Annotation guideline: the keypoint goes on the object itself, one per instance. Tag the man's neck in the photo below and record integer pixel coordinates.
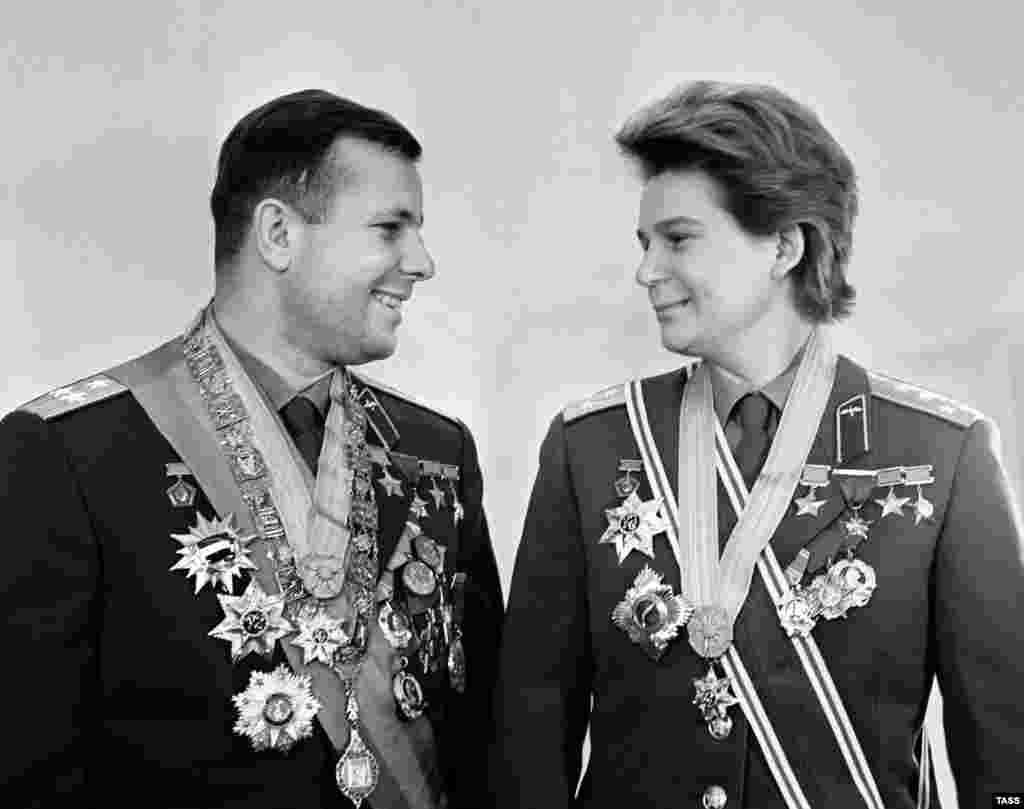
(261, 339)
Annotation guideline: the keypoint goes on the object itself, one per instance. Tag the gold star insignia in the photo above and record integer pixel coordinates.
(392, 486)
(418, 507)
(808, 505)
(892, 504)
(633, 526)
(436, 493)
(923, 508)
(460, 512)
(253, 622)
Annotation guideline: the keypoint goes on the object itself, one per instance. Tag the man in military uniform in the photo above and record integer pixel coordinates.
(744, 575)
(240, 573)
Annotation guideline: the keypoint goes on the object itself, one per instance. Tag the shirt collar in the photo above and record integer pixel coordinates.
(728, 388)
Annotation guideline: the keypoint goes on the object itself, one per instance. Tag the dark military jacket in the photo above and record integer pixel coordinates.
(947, 604)
(115, 689)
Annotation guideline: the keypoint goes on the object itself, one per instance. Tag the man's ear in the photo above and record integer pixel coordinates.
(789, 250)
(278, 232)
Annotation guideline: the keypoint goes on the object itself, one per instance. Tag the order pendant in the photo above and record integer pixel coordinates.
(357, 771)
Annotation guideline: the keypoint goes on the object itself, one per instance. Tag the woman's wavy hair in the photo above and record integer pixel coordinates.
(775, 164)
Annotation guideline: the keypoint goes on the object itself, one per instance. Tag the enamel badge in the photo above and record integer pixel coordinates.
(633, 526)
(253, 622)
(276, 710)
(213, 552)
(651, 614)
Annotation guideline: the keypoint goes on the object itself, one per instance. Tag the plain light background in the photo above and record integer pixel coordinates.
(114, 112)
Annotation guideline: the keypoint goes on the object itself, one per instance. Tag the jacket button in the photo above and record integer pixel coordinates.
(714, 797)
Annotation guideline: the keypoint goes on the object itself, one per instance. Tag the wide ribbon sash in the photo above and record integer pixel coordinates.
(163, 386)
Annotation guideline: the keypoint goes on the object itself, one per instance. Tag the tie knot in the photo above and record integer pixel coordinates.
(301, 416)
(753, 412)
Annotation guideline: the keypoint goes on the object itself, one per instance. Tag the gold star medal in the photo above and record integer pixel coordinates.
(651, 614)
(891, 504)
(213, 551)
(418, 507)
(436, 492)
(815, 476)
(253, 622)
(276, 710)
(633, 526)
(920, 476)
(319, 638)
(392, 486)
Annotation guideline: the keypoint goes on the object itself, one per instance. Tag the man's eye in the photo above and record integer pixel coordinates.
(677, 240)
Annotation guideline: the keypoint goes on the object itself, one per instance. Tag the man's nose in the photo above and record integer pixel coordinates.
(417, 260)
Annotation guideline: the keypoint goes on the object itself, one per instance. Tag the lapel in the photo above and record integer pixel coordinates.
(821, 534)
(663, 397)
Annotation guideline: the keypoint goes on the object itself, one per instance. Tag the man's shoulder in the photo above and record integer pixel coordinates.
(75, 397)
(911, 396)
(401, 405)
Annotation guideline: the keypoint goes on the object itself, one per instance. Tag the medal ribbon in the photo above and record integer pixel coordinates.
(806, 648)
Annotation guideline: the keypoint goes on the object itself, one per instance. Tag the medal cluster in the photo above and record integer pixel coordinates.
(847, 582)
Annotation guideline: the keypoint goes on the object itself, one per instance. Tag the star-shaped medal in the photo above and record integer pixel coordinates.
(458, 511)
(892, 504)
(213, 551)
(713, 695)
(418, 507)
(808, 505)
(320, 637)
(923, 508)
(276, 710)
(651, 614)
(253, 622)
(857, 526)
(436, 493)
(392, 486)
(633, 526)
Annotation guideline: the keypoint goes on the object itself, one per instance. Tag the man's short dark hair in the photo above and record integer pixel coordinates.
(283, 149)
(776, 166)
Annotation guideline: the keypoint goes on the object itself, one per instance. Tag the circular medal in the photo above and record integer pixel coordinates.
(395, 625)
(278, 709)
(322, 575)
(427, 551)
(629, 523)
(418, 578)
(408, 694)
(720, 727)
(796, 613)
(710, 631)
(254, 622)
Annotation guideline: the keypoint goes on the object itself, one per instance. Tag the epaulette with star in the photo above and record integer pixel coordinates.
(368, 382)
(69, 398)
(915, 397)
(595, 403)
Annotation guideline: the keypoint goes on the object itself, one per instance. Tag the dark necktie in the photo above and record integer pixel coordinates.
(306, 427)
(754, 414)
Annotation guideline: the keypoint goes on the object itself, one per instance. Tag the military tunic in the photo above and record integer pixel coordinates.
(947, 604)
(115, 689)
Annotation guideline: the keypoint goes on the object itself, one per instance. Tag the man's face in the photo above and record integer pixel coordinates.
(708, 280)
(343, 294)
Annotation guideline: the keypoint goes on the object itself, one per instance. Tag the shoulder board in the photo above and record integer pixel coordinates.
(914, 396)
(73, 397)
(374, 384)
(602, 400)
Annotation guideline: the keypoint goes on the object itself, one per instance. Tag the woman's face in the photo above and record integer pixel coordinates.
(709, 281)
